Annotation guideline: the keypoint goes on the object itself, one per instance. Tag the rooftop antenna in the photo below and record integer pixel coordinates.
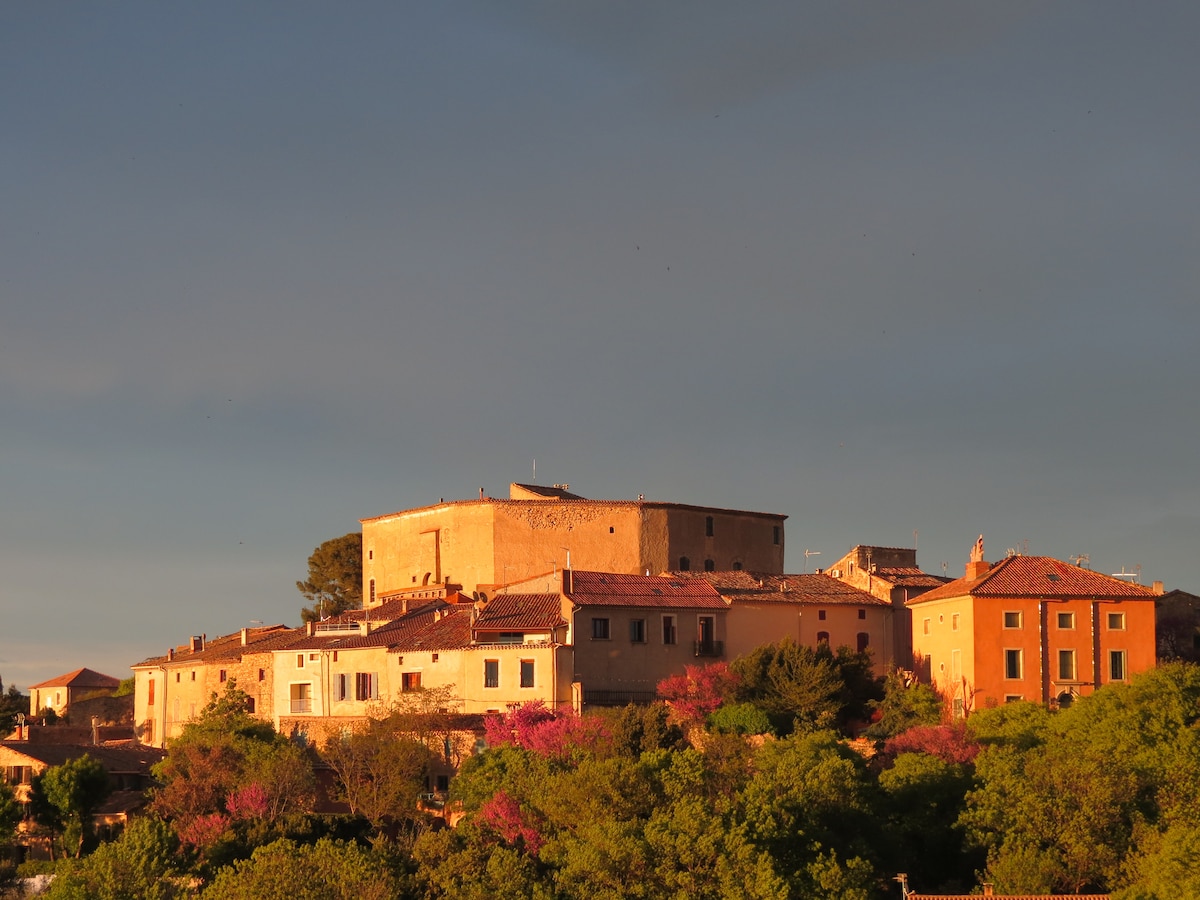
(1082, 560)
(1136, 576)
(945, 566)
(535, 470)
(914, 539)
(807, 554)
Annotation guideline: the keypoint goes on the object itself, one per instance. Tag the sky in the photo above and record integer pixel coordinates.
(906, 273)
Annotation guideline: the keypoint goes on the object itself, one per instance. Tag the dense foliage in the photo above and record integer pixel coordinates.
(748, 790)
(334, 582)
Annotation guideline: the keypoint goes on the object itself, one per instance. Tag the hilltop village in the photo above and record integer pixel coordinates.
(545, 621)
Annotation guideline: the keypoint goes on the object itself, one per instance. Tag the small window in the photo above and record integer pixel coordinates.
(959, 709)
(370, 554)
(708, 526)
(193, 678)
(262, 674)
(491, 673)
(177, 674)
(1116, 665)
(221, 676)
(433, 657)
(863, 640)
(150, 692)
(372, 590)
(775, 533)
(299, 660)
(1012, 619)
(611, 530)
(341, 686)
(710, 566)
(511, 637)
(250, 705)
(862, 613)
(366, 686)
(954, 621)
(1012, 698)
(822, 637)
(668, 629)
(410, 681)
(685, 564)
(313, 657)
(637, 631)
(1066, 665)
(1012, 664)
(599, 629)
(443, 783)
(925, 626)
(737, 567)
(527, 680)
(1116, 621)
(820, 615)
(335, 656)
(1066, 621)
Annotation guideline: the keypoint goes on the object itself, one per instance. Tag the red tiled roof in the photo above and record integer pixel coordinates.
(81, 678)
(606, 589)
(521, 612)
(120, 759)
(383, 636)
(908, 576)
(227, 646)
(450, 632)
(1037, 576)
(755, 587)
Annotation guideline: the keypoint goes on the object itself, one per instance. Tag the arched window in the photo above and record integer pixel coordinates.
(737, 567)
(822, 637)
(685, 564)
(863, 640)
(710, 566)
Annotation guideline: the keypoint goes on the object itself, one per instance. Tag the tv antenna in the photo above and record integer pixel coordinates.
(807, 554)
(1136, 576)
(1082, 560)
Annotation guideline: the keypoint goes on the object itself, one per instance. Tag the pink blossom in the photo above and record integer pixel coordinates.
(699, 691)
(949, 743)
(204, 831)
(503, 815)
(249, 802)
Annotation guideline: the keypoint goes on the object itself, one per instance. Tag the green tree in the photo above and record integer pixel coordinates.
(381, 773)
(906, 703)
(12, 702)
(64, 797)
(327, 870)
(143, 864)
(334, 582)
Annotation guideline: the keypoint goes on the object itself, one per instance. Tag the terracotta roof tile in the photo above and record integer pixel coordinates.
(605, 589)
(452, 631)
(81, 678)
(521, 612)
(1037, 576)
(121, 759)
(756, 587)
(908, 576)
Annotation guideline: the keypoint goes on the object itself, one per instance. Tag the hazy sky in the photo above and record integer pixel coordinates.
(270, 268)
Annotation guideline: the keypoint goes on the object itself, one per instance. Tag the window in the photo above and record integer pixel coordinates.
(820, 615)
(299, 660)
(301, 698)
(958, 707)
(150, 692)
(637, 631)
(341, 686)
(1012, 698)
(954, 621)
(775, 535)
(599, 629)
(710, 566)
(372, 590)
(685, 564)
(366, 686)
(221, 676)
(193, 679)
(1116, 621)
(313, 657)
(433, 657)
(177, 678)
(822, 637)
(1066, 665)
(668, 629)
(335, 656)
(737, 567)
(1116, 665)
(862, 613)
(410, 681)
(925, 627)
(491, 673)
(370, 554)
(1012, 664)
(262, 674)
(250, 705)
(443, 783)
(611, 530)
(1012, 620)
(511, 637)
(527, 673)
(708, 526)
(1066, 621)
(863, 640)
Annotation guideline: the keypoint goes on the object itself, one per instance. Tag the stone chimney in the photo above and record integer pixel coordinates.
(197, 643)
(977, 567)
(1158, 587)
(245, 636)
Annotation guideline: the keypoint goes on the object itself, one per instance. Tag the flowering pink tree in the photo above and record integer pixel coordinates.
(204, 831)
(503, 815)
(949, 743)
(550, 733)
(249, 802)
(699, 691)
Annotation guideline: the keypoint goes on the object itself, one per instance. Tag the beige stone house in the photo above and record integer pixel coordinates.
(476, 545)
(60, 692)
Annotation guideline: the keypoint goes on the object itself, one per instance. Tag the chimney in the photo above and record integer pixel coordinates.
(987, 889)
(245, 636)
(364, 627)
(171, 654)
(95, 731)
(309, 628)
(977, 567)
(197, 643)
(1158, 587)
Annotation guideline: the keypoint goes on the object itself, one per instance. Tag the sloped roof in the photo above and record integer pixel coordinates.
(123, 758)
(383, 636)
(452, 631)
(227, 646)
(521, 612)
(1037, 576)
(646, 504)
(757, 587)
(908, 576)
(81, 678)
(606, 589)
(553, 493)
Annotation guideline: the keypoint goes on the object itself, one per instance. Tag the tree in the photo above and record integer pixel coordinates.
(12, 702)
(141, 865)
(327, 870)
(334, 582)
(381, 773)
(64, 797)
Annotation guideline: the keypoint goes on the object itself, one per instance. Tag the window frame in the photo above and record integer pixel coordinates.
(528, 666)
(491, 674)
(1118, 617)
(1014, 655)
(1068, 617)
(1118, 665)
(637, 631)
(601, 628)
(1071, 672)
(1020, 619)
(670, 630)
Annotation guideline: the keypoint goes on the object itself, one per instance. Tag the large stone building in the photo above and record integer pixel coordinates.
(477, 545)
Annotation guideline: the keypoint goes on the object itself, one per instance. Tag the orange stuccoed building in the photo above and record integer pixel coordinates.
(1031, 628)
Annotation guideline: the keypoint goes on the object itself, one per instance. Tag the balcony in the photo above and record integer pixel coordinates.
(709, 648)
(301, 706)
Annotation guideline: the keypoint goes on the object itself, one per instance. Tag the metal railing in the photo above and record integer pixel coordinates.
(302, 706)
(709, 648)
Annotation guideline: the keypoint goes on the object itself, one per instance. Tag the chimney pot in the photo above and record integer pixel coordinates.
(1158, 587)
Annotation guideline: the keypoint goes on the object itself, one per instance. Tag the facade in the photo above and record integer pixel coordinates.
(59, 693)
(476, 545)
(1031, 628)
(891, 574)
(809, 609)
(1178, 626)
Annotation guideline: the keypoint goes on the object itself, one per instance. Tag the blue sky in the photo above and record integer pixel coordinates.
(271, 268)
